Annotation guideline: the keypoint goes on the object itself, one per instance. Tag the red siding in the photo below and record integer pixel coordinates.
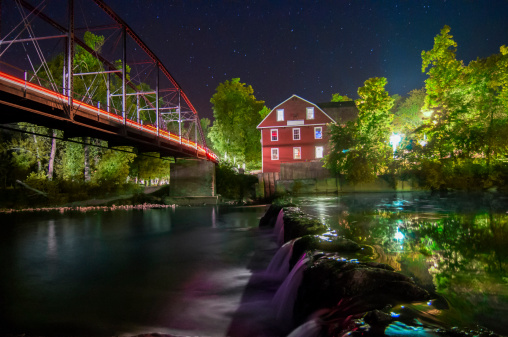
(294, 109)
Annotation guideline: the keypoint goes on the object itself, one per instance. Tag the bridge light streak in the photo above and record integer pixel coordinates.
(24, 85)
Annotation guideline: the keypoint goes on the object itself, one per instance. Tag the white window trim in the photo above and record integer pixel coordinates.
(277, 130)
(299, 133)
(315, 129)
(322, 152)
(299, 151)
(282, 115)
(271, 152)
(307, 113)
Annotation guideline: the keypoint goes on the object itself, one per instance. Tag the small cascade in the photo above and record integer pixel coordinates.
(279, 228)
(284, 299)
(311, 328)
(280, 236)
(279, 265)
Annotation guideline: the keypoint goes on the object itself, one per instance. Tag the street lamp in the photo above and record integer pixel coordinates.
(395, 140)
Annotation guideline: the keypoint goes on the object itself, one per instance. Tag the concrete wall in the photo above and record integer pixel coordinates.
(307, 186)
(307, 170)
(313, 178)
(192, 177)
(333, 185)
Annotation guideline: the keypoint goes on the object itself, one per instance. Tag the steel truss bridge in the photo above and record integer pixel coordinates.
(80, 68)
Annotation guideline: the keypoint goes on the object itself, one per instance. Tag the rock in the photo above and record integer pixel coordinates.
(268, 220)
(355, 286)
(327, 243)
(298, 224)
(377, 317)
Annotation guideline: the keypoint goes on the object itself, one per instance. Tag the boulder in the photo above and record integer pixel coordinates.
(298, 224)
(355, 287)
(270, 217)
(327, 243)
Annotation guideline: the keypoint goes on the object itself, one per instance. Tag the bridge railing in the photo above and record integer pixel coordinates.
(122, 60)
(27, 84)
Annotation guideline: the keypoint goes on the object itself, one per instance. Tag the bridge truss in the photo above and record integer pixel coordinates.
(87, 58)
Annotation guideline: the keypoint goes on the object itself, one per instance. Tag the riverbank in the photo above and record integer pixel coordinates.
(145, 198)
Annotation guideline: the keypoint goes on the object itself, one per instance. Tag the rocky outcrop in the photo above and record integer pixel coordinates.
(333, 282)
(326, 242)
(298, 224)
(270, 217)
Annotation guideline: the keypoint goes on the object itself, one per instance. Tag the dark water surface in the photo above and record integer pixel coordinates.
(180, 271)
(195, 271)
(455, 246)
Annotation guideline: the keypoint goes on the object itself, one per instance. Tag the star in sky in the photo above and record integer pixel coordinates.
(312, 49)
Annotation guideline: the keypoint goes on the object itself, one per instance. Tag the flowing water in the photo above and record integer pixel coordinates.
(208, 271)
(183, 271)
(453, 245)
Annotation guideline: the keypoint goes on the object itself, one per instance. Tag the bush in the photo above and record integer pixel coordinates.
(232, 185)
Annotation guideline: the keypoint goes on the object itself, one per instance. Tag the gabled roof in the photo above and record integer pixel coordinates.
(313, 104)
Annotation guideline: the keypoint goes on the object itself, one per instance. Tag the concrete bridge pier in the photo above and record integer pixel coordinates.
(192, 182)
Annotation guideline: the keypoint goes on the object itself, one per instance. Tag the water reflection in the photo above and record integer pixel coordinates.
(456, 246)
(108, 273)
(52, 243)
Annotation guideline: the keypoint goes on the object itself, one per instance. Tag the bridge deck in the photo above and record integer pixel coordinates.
(22, 101)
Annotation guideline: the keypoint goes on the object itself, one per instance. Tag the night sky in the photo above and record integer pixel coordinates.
(309, 49)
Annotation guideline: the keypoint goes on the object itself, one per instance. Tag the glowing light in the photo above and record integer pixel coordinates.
(424, 141)
(393, 314)
(395, 140)
(427, 113)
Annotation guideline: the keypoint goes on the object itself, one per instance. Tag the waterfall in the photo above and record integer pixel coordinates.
(279, 265)
(279, 228)
(284, 299)
(311, 328)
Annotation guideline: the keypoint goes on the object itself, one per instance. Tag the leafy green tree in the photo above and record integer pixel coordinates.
(340, 98)
(408, 114)
(72, 164)
(150, 167)
(469, 107)
(360, 149)
(237, 113)
(205, 126)
(443, 88)
(114, 167)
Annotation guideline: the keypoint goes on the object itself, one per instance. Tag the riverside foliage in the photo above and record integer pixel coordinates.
(453, 131)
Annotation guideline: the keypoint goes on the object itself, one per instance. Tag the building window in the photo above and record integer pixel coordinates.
(297, 153)
(318, 132)
(296, 134)
(280, 115)
(310, 113)
(319, 152)
(275, 154)
(275, 135)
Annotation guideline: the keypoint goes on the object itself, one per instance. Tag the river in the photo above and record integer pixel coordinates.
(179, 271)
(196, 270)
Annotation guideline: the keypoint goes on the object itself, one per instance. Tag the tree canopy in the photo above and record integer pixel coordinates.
(237, 112)
(360, 149)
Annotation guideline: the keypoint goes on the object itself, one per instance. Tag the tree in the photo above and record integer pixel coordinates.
(205, 126)
(237, 113)
(469, 103)
(150, 167)
(407, 112)
(360, 149)
(339, 98)
(443, 92)
(114, 167)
